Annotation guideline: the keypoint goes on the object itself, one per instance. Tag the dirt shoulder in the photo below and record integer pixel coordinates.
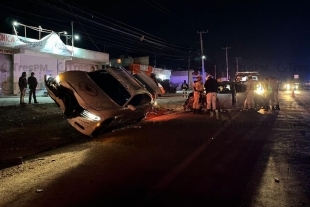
(30, 129)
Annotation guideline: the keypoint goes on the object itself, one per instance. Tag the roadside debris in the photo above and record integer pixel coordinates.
(127, 127)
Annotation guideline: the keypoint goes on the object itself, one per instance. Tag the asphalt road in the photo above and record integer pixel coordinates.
(180, 159)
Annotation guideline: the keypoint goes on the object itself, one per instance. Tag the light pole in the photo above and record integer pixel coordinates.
(68, 37)
(64, 32)
(188, 69)
(16, 24)
(226, 48)
(72, 41)
(237, 60)
(40, 29)
(72, 37)
(215, 71)
(202, 56)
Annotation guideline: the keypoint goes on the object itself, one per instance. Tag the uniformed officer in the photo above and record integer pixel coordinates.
(250, 88)
(198, 90)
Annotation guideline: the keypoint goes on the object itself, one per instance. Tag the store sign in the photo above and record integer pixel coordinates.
(49, 44)
(5, 51)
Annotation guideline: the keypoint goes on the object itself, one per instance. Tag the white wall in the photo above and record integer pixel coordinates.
(179, 80)
(6, 73)
(178, 77)
(39, 65)
(90, 55)
(81, 65)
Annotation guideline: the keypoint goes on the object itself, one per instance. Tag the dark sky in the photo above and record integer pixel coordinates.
(270, 36)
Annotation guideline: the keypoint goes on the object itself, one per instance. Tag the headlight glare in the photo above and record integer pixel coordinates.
(57, 79)
(86, 114)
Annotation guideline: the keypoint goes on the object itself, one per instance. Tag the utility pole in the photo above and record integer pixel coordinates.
(226, 48)
(215, 71)
(72, 38)
(237, 60)
(202, 59)
(188, 69)
(40, 29)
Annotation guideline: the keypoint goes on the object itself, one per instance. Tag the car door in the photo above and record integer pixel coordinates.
(225, 97)
(240, 95)
(137, 107)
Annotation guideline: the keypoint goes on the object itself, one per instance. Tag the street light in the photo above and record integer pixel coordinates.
(16, 24)
(68, 37)
(64, 32)
(40, 29)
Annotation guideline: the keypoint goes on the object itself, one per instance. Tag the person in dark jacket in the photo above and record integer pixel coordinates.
(22, 83)
(33, 83)
(184, 89)
(211, 91)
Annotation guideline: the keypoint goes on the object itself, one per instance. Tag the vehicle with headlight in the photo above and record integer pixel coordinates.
(289, 85)
(258, 92)
(230, 95)
(93, 101)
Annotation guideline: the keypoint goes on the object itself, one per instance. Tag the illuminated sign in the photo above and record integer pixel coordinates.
(5, 51)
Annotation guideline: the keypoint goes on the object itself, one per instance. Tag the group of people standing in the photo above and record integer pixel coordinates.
(210, 86)
(270, 88)
(23, 82)
(269, 97)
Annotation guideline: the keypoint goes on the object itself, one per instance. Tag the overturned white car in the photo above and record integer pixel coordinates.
(92, 101)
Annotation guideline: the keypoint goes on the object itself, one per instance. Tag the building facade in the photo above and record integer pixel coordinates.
(47, 56)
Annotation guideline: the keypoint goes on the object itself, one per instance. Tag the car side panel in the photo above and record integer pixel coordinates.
(224, 101)
(240, 98)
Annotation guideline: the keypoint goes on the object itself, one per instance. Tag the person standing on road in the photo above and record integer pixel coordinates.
(275, 91)
(198, 90)
(250, 87)
(33, 83)
(267, 93)
(184, 89)
(211, 93)
(22, 83)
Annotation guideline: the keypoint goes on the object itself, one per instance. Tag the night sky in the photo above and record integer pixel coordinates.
(271, 37)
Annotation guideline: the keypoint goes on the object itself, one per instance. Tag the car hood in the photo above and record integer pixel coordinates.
(149, 83)
(126, 79)
(88, 94)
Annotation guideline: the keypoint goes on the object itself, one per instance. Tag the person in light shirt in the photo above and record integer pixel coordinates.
(250, 88)
(198, 90)
(211, 91)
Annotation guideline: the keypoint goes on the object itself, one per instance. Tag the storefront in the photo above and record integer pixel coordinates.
(48, 56)
(6, 65)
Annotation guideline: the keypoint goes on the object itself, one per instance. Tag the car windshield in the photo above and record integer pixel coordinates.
(111, 86)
